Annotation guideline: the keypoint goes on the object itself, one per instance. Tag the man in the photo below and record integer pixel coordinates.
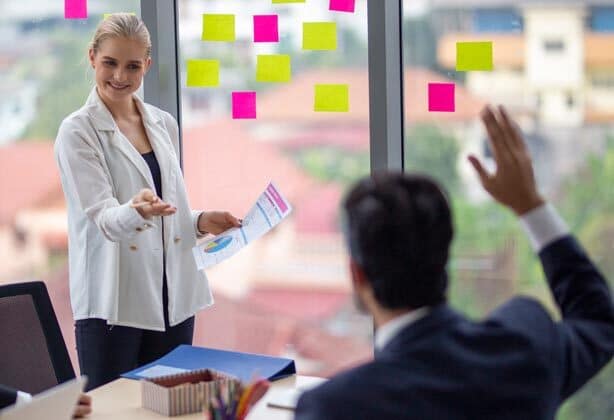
(10, 396)
(430, 361)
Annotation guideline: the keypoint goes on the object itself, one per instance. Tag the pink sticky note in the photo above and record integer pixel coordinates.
(266, 28)
(243, 105)
(75, 9)
(342, 5)
(441, 97)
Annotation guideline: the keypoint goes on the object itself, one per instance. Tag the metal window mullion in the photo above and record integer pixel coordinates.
(162, 82)
(386, 84)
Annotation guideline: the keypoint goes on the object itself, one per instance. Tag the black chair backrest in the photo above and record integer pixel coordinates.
(33, 355)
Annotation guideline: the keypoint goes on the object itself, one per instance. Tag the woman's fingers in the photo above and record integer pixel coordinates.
(232, 221)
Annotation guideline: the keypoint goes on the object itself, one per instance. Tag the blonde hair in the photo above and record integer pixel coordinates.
(121, 25)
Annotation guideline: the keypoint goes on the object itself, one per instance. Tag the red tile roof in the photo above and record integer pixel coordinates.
(225, 168)
(293, 102)
(300, 304)
(28, 177)
(317, 210)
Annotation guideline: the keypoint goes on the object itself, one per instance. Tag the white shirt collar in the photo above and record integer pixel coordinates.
(390, 329)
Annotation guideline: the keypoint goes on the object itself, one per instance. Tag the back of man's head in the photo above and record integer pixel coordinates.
(399, 229)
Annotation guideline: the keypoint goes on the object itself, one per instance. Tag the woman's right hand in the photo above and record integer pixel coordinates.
(148, 204)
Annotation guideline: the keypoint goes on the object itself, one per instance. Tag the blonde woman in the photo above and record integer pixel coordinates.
(134, 284)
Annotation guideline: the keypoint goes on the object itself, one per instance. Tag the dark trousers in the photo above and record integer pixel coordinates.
(106, 351)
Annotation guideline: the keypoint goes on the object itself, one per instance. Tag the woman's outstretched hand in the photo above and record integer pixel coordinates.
(148, 204)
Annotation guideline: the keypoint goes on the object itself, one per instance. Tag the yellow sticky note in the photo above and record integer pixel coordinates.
(203, 73)
(288, 1)
(218, 28)
(474, 56)
(106, 15)
(273, 68)
(319, 36)
(332, 98)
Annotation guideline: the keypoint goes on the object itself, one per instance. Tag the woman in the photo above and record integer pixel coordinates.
(134, 284)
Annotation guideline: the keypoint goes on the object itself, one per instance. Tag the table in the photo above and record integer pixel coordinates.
(121, 400)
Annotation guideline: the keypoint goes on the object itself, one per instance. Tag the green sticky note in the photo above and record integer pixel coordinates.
(218, 28)
(331, 98)
(474, 56)
(288, 1)
(203, 73)
(319, 36)
(273, 68)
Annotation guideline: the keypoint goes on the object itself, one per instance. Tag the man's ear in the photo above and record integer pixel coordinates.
(359, 278)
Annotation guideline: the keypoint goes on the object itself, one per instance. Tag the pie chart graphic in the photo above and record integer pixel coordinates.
(217, 245)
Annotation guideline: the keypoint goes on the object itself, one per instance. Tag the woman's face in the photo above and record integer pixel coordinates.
(119, 65)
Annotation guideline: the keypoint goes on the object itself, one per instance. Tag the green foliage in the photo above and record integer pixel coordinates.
(64, 83)
(331, 164)
(420, 43)
(429, 150)
(588, 205)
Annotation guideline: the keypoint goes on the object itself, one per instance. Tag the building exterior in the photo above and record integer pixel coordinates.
(551, 58)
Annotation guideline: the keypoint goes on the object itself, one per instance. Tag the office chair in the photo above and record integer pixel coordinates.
(33, 355)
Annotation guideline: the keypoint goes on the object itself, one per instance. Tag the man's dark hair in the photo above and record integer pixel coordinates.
(399, 230)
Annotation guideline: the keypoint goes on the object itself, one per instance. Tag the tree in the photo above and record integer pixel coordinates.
(429, 150)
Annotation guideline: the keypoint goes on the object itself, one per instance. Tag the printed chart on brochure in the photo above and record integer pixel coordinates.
(270, 209)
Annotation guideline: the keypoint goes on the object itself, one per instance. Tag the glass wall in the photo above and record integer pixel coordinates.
(288, 293)
(44, 76)
(552, 68)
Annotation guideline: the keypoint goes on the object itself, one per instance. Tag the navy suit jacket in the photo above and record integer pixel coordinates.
(8, 396)
(516, 364)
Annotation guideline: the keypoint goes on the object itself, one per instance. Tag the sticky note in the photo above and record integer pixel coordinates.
(243, 105)
(474, 56)
(75, 9)
(106, 15)
(342, 5)
(319, 36)
(273, 68)
(331, 98)
(203, 73)
(441, 97)
(266, 28)
(288, 1)
(218, 28)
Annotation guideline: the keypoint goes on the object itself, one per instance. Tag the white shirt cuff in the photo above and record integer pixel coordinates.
(23, 398)
(543, 225)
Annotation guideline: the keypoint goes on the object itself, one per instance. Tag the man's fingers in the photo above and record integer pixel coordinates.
(477, 165)
(512, 129)
(496, 137)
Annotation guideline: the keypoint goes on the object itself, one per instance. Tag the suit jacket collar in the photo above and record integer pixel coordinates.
(436, 319)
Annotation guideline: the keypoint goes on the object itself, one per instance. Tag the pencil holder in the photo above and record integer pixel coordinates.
(186, 393)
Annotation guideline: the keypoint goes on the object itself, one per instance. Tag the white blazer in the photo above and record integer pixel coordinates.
(115, 255)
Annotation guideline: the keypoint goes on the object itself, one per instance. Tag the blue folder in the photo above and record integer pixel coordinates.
(245, 366)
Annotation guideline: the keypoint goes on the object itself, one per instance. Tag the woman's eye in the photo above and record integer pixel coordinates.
(108, 63)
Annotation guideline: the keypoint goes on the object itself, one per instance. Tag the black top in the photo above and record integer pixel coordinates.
(154, 167)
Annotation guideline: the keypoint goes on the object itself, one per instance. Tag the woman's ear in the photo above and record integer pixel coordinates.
(147, 64)
(92, 56)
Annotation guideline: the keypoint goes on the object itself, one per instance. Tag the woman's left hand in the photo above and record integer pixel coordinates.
(217, 222)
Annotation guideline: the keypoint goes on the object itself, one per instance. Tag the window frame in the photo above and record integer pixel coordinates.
(386, 114)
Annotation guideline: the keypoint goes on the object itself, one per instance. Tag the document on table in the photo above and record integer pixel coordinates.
(270, 209)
